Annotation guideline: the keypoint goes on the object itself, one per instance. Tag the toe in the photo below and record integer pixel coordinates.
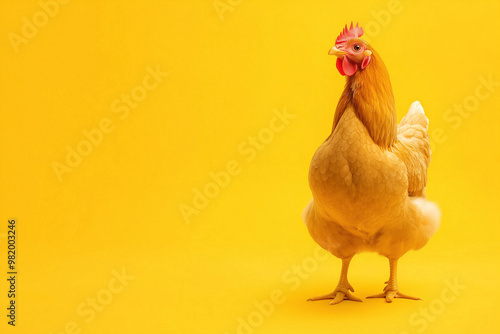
(324, 297)
(389, 296)
(402, 295)
(350, 296)
(338, 298)
(378, 295)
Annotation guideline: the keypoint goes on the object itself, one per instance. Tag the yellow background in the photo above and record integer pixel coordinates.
(120, 208)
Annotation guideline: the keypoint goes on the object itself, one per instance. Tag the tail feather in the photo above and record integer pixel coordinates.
(413, 148)
(430, 220)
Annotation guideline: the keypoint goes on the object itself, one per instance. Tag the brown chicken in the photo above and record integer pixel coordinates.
(368, 177)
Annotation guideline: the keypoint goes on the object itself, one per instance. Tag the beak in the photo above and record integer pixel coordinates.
(336, 52)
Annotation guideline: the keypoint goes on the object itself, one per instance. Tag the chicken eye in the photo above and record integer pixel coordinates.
(356, 47)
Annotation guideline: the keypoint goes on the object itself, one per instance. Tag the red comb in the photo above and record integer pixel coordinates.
(347, 34)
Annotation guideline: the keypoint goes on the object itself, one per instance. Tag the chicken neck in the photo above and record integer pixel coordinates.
(369, 92)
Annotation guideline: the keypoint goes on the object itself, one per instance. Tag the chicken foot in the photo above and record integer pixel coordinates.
(391, 290)
(342, 291)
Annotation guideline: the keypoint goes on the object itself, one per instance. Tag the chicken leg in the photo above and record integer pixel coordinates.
(341, 292)
(391, 289)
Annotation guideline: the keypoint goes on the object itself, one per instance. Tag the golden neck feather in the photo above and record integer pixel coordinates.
(369, 92)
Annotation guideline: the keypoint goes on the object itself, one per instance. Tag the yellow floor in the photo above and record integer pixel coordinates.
(155, 155)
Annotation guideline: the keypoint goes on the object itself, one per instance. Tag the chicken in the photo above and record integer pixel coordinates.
(368, 177)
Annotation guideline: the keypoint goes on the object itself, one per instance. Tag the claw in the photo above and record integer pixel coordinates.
(350, 296)
(402, 295)
(391, 289)
(390, 295)
(378, 295)
(337, 297)
(341, 292)
(331, 295)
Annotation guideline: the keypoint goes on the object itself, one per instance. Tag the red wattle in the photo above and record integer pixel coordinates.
(339, 66)
(348, 66)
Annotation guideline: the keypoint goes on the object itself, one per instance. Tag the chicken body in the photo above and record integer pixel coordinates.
(368, 179)
(360, 196)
